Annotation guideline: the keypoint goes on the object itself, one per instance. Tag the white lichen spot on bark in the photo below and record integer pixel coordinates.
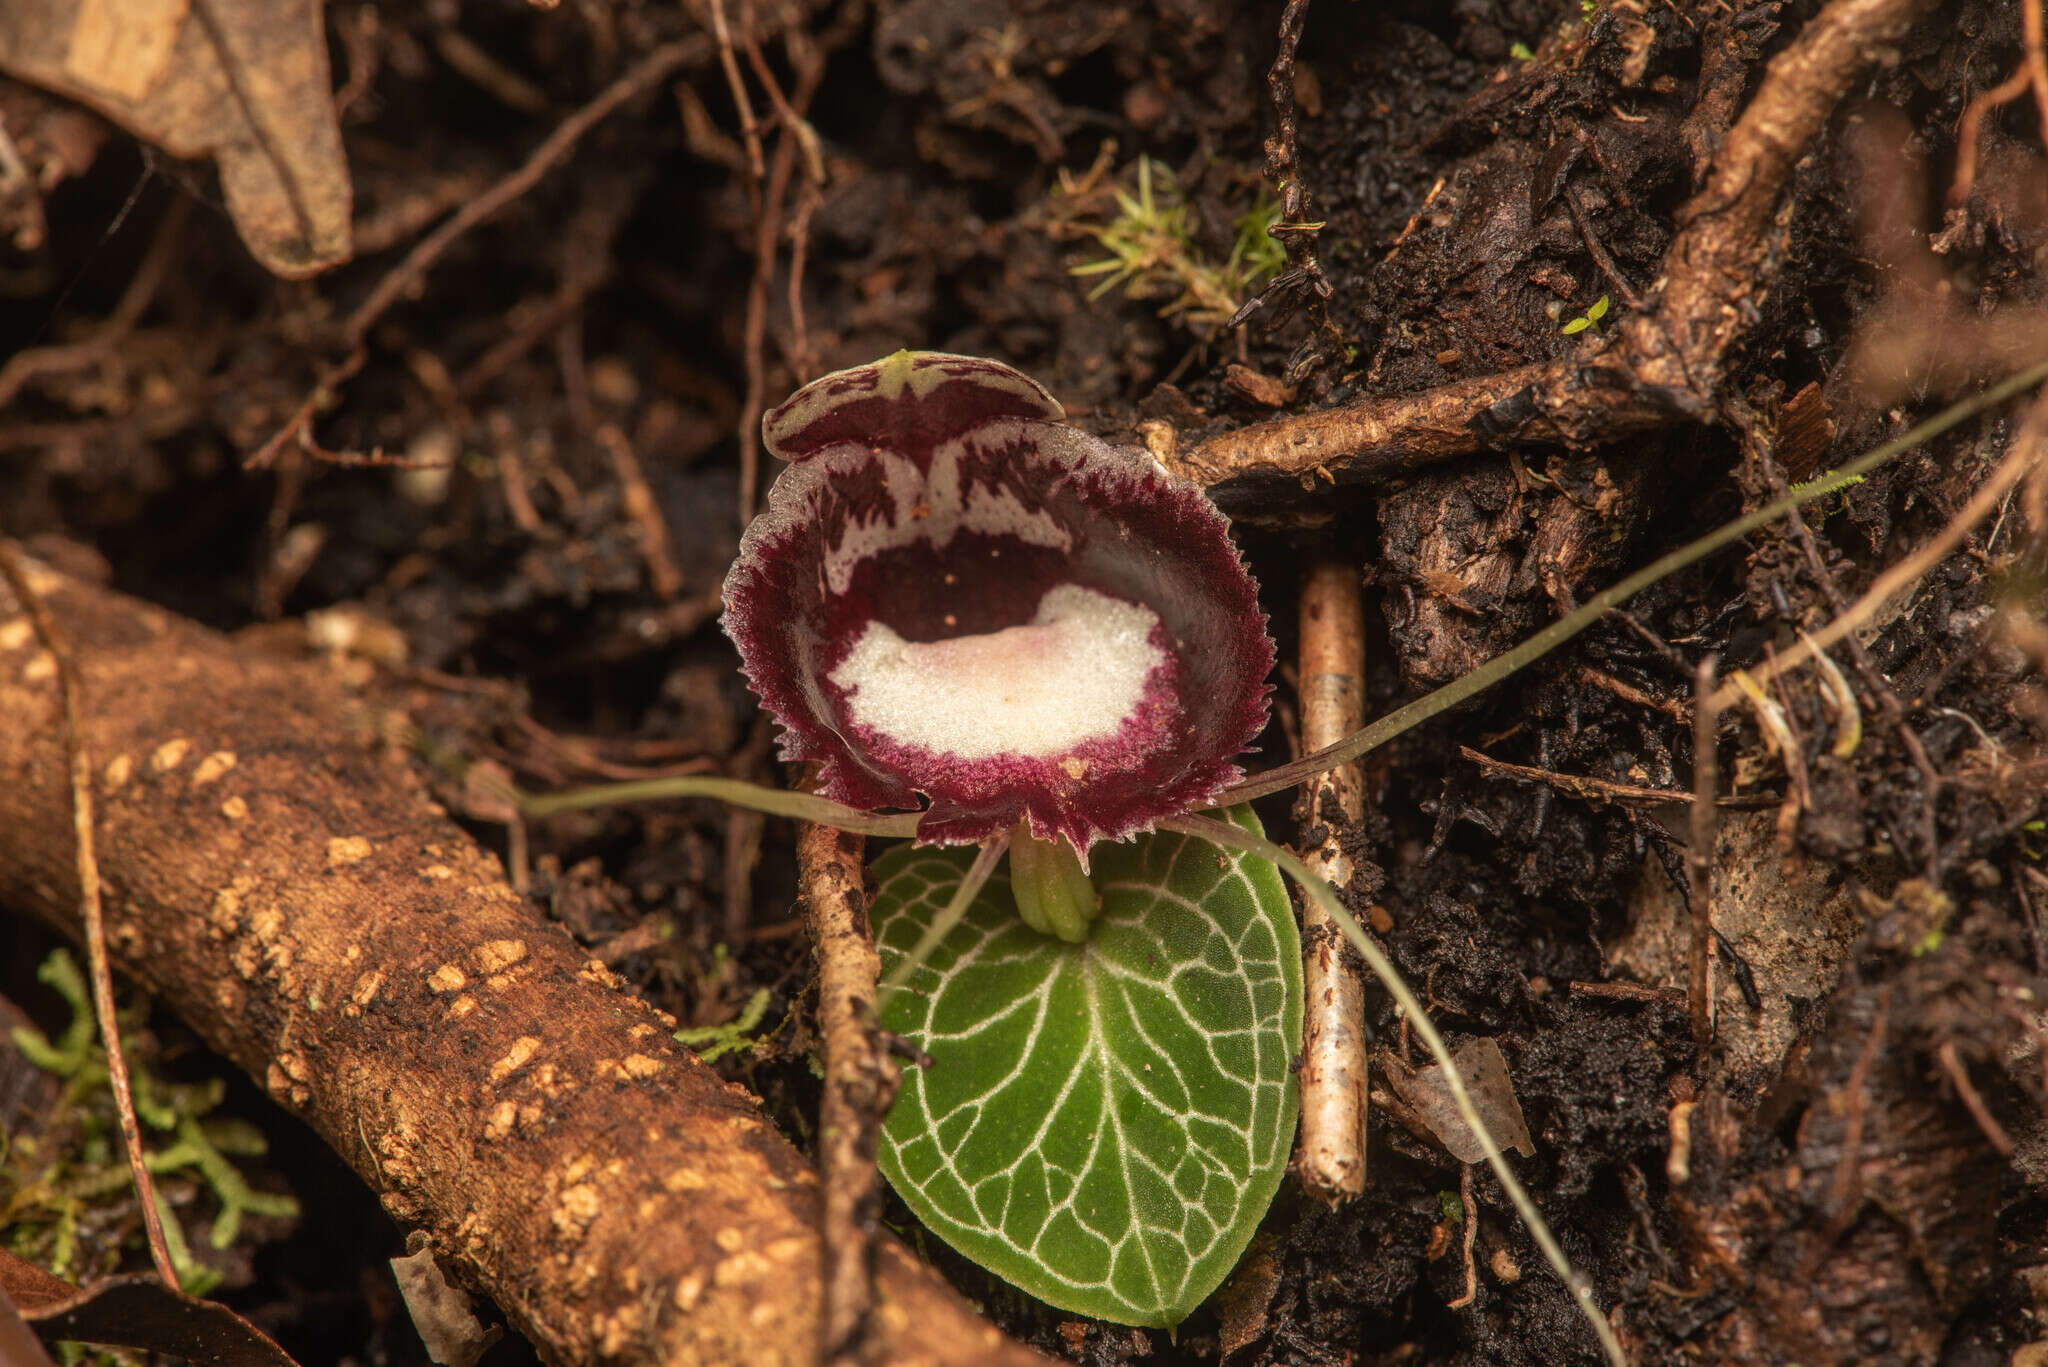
(518, 1056)
(117, 771)
(345, 850)
(234, 809)
(224, 917)
(365, 990)
(212, 767)
(495, 956)
(447, 978)
(503, 1116)
(170, 755)
(574, 1211)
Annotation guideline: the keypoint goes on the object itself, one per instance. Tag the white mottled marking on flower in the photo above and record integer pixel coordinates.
(933, 508)
(1076, 672)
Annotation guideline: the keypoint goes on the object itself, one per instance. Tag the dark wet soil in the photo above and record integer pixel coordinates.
(1473, 164)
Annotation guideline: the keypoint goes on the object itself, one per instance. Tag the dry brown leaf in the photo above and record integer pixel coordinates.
(243, 81)
(136, 1312)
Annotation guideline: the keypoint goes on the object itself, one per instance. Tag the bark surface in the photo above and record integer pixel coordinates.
(280, 880)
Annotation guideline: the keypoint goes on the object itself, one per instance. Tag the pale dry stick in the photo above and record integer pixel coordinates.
(1232, 837)
(2028, 451)
(1699, 858)
(1972, 1100)
(1331, 1157)
(645, 513)
(554, 148)
(92, 916)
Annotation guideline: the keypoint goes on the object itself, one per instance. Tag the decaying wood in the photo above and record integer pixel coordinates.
(288, 889)
(1663, 366)
(860, 1083)
(1330, 1157)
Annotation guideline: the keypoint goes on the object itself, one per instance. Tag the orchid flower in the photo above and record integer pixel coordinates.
(958, 603)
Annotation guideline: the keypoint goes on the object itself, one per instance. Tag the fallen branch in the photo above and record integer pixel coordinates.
(293, 895)
(1662, 366)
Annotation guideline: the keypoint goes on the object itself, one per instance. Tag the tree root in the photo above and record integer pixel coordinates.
(296, 898)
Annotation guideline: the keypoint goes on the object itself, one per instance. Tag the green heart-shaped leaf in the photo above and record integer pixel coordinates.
(1102, 1124)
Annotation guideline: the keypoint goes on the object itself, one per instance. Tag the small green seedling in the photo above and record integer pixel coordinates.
(713, 1042)
(1589, 319)
(1153, 254)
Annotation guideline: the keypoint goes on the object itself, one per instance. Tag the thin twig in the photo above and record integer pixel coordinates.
(70, 689)
(750, 129)
(1968, 129)
(1334, 1097)
(1974, 1103)
(1699, 858)
(860, 1083)
(645, 512)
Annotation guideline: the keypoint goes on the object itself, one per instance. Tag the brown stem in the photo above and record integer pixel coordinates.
(860, 1082)
(1699, 857)
(1331, 1157)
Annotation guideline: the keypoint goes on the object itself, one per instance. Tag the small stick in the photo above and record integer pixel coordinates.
(860, 1083)
(1578, 785)
(1334, 1076)
(644, 511)
(69, 688)
(1699, 857)
(1981, 1113)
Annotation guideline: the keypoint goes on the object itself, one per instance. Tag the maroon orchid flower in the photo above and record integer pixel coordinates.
(957, 601)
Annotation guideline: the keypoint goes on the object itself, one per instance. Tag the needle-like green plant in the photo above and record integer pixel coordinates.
(1042, 650)
(1152, 254)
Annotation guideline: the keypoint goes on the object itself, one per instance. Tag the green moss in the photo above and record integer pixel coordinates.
(66, 1201)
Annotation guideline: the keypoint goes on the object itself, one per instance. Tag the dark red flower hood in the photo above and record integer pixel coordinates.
(954, 598)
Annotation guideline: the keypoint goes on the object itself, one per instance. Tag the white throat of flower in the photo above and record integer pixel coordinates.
(1075, 673)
